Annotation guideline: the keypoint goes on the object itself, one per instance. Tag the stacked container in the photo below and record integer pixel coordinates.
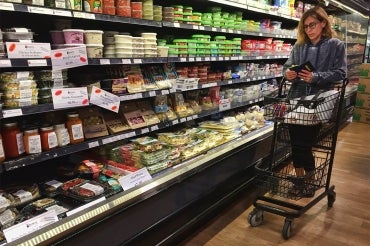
(109, 44)
(137, 10)
(148, 13)
(123, 45)
(123, 8)
(138, 47)
(157, 13)
(47, 80)
(168, 14)
(108, 7)
(94, 43)
(150, 44)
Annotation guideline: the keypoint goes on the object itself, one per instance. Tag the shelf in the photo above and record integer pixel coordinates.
(88, 144)
(225, 58)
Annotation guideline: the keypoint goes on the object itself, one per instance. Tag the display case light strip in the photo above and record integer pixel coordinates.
(345, 7)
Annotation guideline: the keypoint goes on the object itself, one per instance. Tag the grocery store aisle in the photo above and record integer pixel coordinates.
(346, 223)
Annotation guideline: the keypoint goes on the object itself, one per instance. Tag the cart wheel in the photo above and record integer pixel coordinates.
(255, 218)
(287, 228)
(331, 198)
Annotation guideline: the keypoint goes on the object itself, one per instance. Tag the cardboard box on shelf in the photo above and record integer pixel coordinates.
(361, 115)
(364, 85)
(363, 100)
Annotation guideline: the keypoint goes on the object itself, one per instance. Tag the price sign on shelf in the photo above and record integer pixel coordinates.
(133, 179)
(105, 99)
(70, 97)
(69, 57)
(225, 104)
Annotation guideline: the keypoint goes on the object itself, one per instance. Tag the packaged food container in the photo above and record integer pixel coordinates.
(57, 37)
(137, 55)
(150, 41)
(17, 94)
(74, 4)
(123, 3)
(150, 46)
(123, 11)
(138, 14)
(12, 146)
(75, 128)
(123, 54)
(94, 50)
(93, 36)
(149, 35)
(16, 76)
(162, 51)
(34, 2)
(123, 45)
(123, 38)
(123, 50)
(7, 36)
(19, 85)
(45, 99)
(94, 6)
(136, 6)
(109, 9)
(73, 36)
(17, 103)
(87, 191)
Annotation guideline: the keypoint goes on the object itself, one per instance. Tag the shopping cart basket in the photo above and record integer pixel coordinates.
(276, 180)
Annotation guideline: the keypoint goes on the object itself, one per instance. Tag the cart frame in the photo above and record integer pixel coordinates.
(270, 199)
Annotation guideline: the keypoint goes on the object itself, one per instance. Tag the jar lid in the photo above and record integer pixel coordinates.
(59, 126)
(72, 114)
(32, 130)
(10, 124)
(46, 128)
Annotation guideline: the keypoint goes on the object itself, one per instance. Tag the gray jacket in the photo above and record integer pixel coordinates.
(328, 57)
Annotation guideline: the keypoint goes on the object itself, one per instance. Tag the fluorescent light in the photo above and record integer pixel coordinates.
(345, 7)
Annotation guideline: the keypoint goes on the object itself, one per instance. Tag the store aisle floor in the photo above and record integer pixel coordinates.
(346, 223)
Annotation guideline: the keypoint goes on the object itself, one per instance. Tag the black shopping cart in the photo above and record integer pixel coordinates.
(276, 179)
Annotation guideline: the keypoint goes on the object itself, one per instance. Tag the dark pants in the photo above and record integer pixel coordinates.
(302, 138)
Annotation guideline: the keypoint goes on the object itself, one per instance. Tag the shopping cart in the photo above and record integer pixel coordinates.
(276, 180)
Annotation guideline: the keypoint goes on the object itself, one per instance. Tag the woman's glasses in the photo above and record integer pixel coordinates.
(310, 26)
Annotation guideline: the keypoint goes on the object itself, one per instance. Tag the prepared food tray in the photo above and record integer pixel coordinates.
(90, 168)
(8, 218)
(25, 84)
(50, 188)
(86, 191)
(21, 94)
(21, 102)
(147, 144)
(6, 201)
(16, 76)
(23, 194)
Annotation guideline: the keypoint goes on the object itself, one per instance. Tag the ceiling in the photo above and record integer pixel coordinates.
(362, 6)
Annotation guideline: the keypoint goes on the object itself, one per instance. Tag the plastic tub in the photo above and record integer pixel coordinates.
(57, 37)
(94, 50)
(149, 35)
(162, 51)
(123, 38)
(123, 54)
(150, 41)
(93, 37)
(150, 46)
(73, 36)
(123, 50)
(123, 45)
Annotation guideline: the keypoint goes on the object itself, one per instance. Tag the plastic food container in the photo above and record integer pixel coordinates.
(123, 38)
(19, 85)
(123, 50)
(57, 37)
(123, 11)
(17, 36)
(109, 9)
(150, 46)
(149, 35)
(93, 36)
(162, 51)
(73, 36)
(136, 6)
(123, 54)
(16, 103)
(16, 76)
(94, 50)
(150, 41)
(123, 45)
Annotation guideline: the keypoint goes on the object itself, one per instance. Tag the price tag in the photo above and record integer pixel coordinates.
(126, 61)
(104, 61)
(165, 92)
(28, 50)
(214, 29)
(172, 90)
(174, 122)
(69, 57)
(234, 58)
(229, 82)
(104, 99)
(12, 113)
(227, 58)
(195, 116)
(189, 118)
(198, 59)
(207, 58)
(152, 93)
(183, 59)
(191, 59)
(144, 130)
(223, 30)
(201, 27)
(221, 58)
(70, 97)
(213, 58)
(93, 144)
(230, 30)
(225, 104)
(107, 140)
(154, 128)
(128, 97)
(7, 6)
(31, 225)
(238, 32)
(5, 63)
(133, 179)
(138, 61)
(83, 15)
(62, 13)
(182, 120)
(176, 24)
(37, 63)
(38, 10)
(195, 27)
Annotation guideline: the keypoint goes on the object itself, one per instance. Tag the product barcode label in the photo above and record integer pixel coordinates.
(77, 132)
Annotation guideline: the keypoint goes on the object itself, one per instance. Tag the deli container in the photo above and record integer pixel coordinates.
(93, 36)
(73, 36)
(94, 50)
(57, 37)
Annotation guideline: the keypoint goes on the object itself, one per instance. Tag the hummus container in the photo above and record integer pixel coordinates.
(162, 51)
(123, 45)
(138, 45)
(123, 54)
(94, 50)
(150, 51)
(150, 35)
(73, 36)
(124, 50)
(93, 36)
(109, 54)
(137, 39)
(138, 51)
(57, 37)
(137, 55)
(150, 41)
(150, 46)
(123, 38)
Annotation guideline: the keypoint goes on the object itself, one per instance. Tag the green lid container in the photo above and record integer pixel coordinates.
(197, 13)
(218, 38)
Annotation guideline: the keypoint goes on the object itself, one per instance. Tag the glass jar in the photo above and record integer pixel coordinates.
(32, 141)
(75, 129)
(13, 140)
(48, 138)
(62, 135)
(2, 154)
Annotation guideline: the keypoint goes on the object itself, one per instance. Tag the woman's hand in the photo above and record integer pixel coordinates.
(290, 75)
(305, 75)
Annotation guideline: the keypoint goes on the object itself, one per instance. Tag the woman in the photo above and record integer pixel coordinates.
(316, 44)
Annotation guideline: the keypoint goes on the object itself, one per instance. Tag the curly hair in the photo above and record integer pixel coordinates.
(320, 14)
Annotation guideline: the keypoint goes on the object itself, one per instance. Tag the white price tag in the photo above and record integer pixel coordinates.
(183, 59)
(223, 30)
(104, 99)
(137, 61)
(104, 61)
(154, 128)
(229, 82)
(198, 59)
(214, 29)
(213, 58)
(62, 12)
(225, 104)
(107, 141)
(38, 10)
(69, 57)
(195, 27)
(12, 113)
(207, 58)
(195, 116)
(174, 122)
(201, 27)
(93, 144)
(36, 63)
(5, 63)
(165, 92)
(152, 93)
(133, 179)
(189, 118)
(191, 59)
(227, 58)
(176, 24)
(182, 120)
(144, 130)
(126, 61)
(6, 6)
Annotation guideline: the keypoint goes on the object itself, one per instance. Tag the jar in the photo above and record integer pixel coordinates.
(13, 140)
(2, 154)
(32, 141)
(75, 130)
(62, 135)
(48, 138)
